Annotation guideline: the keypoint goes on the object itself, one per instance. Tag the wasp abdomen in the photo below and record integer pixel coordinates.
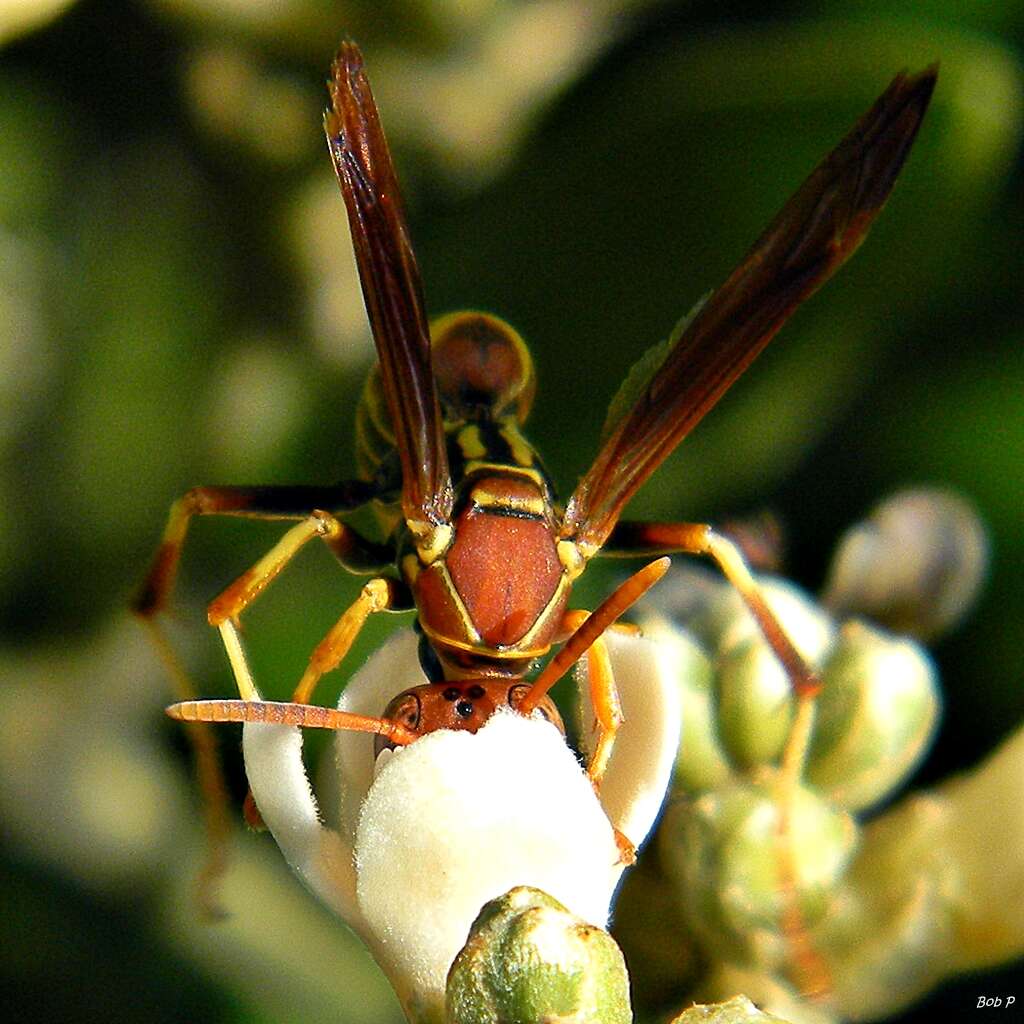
(481, 366)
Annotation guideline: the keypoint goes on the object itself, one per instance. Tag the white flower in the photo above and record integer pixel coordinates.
(419, 841)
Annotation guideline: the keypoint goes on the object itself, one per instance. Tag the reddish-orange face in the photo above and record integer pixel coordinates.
(466, 704)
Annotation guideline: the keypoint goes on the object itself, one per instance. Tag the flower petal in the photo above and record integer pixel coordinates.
(317, 854)
(640, 767)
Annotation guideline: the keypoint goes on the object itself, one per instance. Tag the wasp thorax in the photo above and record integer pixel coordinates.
(464, 704)
(481, 363)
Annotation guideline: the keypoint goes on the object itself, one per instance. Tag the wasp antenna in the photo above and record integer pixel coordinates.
(308, 716)
(616, 604)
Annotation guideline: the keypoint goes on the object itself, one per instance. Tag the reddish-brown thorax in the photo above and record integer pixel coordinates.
(499, 577)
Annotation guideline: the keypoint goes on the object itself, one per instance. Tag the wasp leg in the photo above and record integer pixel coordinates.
(153, 596)
(210, 778)
(378, 595)
(232, 601)
(640, 539)
(256, 503)
(249, 502)
(587, 635)
(604, 698)
(252, 707)
(603, 695)
(701, 539)
(632, 538)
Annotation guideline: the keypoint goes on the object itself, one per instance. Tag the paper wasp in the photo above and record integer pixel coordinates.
(477, 543)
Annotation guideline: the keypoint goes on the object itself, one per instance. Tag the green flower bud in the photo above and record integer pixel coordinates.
(931, 892)
(729, 860)
(528, 959)
(738, 702)
(755, 703)
(957, 852)
(874, 717)
(915, 565)
(738, 1010)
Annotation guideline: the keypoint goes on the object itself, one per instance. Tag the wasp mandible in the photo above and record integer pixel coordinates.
(477, 542)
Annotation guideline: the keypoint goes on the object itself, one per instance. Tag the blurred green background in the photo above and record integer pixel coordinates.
(178, 305)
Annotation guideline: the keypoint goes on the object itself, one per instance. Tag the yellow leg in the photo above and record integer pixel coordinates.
(805, 683)
(604, 697)
(585, 632)
(701, 539)
(239, 663)
(272, 503)
(812, 974)
(240, 594)
(377, 595)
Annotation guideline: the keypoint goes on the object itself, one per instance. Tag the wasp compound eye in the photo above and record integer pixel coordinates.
(406, 709)
(546, 706)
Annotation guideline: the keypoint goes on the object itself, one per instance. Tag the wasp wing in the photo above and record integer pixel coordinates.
(392, 288)
(813, 234)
